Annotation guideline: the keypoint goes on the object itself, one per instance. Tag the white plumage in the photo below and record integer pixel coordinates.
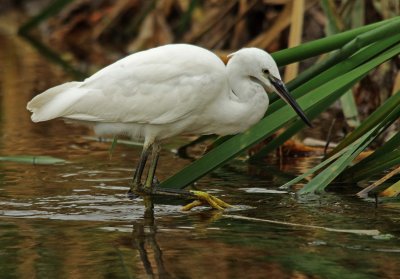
(167, 91)
(162, 92)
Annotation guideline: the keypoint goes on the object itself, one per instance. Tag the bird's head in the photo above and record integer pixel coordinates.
(262, 69)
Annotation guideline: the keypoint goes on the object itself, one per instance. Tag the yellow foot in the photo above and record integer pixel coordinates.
(204, 198)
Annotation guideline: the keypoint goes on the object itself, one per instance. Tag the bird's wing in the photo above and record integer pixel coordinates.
(158, 86)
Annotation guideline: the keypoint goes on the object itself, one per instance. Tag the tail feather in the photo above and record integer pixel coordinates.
(55, 101)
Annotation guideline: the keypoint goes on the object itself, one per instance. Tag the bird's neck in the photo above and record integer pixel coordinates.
(245, 104)
(243, 88)
(240, 87)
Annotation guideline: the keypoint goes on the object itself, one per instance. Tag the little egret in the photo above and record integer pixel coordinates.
(166, 91)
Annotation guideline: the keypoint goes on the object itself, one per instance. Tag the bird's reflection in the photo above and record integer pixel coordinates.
(144, 239)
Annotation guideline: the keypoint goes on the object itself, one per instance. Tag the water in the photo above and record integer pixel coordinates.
(73, 220)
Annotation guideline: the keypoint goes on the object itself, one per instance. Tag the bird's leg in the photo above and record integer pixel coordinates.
(150, 187)
(155, 153)
(136, 181)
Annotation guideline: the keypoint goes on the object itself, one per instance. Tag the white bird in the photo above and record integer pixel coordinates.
(167, 91)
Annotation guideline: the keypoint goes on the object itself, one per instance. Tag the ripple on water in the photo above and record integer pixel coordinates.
(263, 190)
(82, 208)
(106, 200)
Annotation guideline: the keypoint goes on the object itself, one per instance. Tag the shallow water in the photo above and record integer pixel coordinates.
(73, 220)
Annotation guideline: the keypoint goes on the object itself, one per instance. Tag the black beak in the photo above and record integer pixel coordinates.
(283, 92)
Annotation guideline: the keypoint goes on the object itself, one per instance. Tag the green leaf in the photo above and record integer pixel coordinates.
(322, 180)
(35, 160)
(386, 156)
(316, 168)
(317, 47)
(392, 104)
(350, 110)
(390, 160)
(351, 47)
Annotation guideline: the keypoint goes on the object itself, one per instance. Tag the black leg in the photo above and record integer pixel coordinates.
(155, 154)
(136, 181)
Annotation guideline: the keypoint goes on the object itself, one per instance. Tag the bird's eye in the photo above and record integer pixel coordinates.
(265, 71)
